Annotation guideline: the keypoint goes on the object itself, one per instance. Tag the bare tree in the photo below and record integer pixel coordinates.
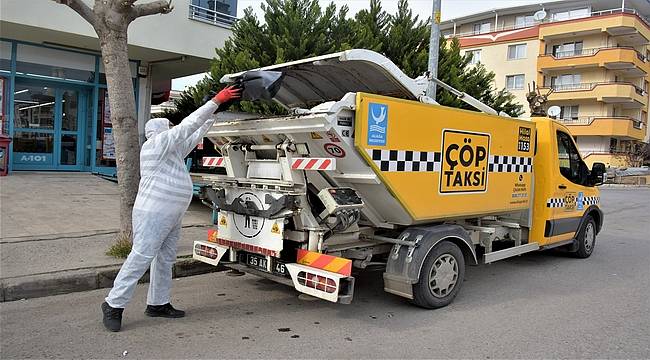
(111, 20)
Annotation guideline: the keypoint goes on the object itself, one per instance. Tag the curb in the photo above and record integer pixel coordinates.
(69, 281)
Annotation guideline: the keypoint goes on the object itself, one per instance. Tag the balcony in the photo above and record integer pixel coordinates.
(624, 127)
(616, 22)
(617, 92)
(612, 58)
(210, 16)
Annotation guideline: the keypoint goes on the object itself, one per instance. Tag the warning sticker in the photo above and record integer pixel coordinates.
(315, 136)
(523, 144)
(464, 162)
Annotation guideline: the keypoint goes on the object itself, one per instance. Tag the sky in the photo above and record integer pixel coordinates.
(450, 9)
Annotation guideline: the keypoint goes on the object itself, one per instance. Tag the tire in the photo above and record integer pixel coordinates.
(586, 239)
(445, 260)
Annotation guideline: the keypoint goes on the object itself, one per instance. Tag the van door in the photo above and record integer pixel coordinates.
(571, 193)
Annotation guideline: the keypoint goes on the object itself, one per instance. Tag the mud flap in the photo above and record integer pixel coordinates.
(322, 284)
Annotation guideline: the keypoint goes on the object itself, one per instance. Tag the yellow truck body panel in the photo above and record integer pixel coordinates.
(443, 163)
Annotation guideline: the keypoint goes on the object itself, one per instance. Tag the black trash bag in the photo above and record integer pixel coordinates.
(255, 85)
(260, 85)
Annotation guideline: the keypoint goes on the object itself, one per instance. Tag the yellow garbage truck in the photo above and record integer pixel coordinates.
(366, 171)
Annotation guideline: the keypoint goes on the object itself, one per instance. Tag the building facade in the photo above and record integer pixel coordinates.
(593, 55)
(53, 96)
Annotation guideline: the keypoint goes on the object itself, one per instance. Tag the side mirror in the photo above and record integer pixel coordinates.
(597, 175)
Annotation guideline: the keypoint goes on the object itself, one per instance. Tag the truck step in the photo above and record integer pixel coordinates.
(510, 252)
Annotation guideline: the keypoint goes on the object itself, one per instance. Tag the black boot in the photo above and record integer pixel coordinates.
(166, 310)
(112, 317)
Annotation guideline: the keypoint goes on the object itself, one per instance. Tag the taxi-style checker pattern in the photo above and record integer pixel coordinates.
(430, 161)
(504, 163)
(405, 160)
(559, 202)
(555, 202)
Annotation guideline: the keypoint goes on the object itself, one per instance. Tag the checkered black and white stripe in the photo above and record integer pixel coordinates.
(591, 200)
(555, 202)
(504, 163)
(405, 160)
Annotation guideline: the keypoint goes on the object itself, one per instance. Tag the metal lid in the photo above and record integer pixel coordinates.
(312, 81)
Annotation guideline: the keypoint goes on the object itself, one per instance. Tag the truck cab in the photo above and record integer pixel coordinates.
(567, 204)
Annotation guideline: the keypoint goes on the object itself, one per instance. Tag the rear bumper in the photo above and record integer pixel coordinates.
(326, 285)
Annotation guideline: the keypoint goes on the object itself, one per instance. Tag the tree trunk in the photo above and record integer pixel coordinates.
(114, 48)
(111, 19)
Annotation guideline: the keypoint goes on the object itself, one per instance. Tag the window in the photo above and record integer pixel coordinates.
(569, 112)
(482, 28)
(571, 14)
(567, 49)
(214, 11)
(524, 21)
(567, 82)
(571, 166)
(475, 56)
(515, 82)
(516, 51)
(54, 63)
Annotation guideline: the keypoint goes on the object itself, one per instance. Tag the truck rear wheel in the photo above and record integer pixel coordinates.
(586, 239)
(441, 276)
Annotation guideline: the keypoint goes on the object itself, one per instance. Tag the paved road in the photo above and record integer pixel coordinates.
(538, 305)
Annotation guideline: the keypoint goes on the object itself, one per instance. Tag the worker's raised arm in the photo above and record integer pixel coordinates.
(181, 134)
(197, 137)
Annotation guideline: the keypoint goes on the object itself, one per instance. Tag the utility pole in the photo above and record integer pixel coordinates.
(434, 46)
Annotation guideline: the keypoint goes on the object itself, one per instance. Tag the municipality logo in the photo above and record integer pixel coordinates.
(377, 124)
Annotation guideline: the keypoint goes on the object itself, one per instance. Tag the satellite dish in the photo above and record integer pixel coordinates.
(540, 15)
(554, 111)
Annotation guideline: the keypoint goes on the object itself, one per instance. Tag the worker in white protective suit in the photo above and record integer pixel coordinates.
(164, 194)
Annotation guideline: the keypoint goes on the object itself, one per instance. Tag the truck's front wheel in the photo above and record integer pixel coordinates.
(441, 276)
(586, 239)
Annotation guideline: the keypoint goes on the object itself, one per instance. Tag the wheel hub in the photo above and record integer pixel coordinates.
(590, 237)
(444, 275)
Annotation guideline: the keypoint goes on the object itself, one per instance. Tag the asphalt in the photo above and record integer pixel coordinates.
(540, 305)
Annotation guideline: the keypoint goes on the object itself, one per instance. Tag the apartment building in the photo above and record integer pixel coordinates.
(593, 55)
(53, 98)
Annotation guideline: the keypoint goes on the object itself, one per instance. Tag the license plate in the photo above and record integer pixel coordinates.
(260, 262)
(257, 261)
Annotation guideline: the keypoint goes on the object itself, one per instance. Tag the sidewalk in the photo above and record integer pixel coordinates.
(55, 229)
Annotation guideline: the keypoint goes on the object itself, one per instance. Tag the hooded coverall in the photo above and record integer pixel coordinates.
(164, 194)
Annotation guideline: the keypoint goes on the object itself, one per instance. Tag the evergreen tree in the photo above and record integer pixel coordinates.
(296, 29)
(368, 29)
(407, 41)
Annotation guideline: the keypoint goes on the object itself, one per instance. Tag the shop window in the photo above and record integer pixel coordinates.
(34, 107)
(5, 56)
(105, 152)
(33, 142)
(53, 63)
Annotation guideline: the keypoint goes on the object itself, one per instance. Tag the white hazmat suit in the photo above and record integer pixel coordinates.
(164, 194)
